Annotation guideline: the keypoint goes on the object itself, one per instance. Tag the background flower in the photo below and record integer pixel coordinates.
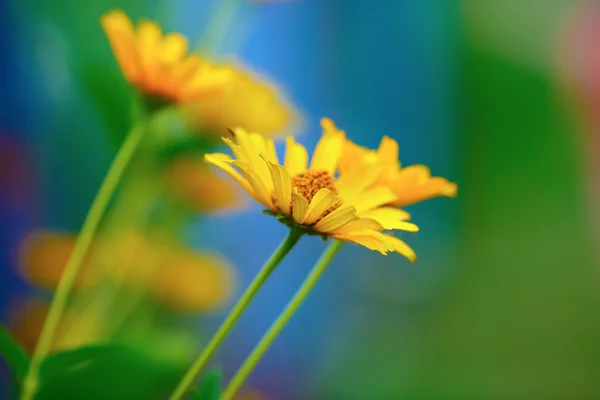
(250, 102)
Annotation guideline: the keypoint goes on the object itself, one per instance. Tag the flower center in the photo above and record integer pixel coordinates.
(310, 182)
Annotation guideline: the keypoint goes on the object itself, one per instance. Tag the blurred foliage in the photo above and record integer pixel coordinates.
(15, 357)
(521, 315)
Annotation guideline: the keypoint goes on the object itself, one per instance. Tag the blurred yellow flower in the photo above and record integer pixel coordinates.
(250, 102)
(411, 184)
(25, 321)
(43, 256)
(182, 279)
(157, 65)
(194, 282)
(310, 198)
(198, 187)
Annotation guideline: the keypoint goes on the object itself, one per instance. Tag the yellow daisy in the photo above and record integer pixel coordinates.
(310, 198)
(250, 101)
(157, 65)
(411, 184)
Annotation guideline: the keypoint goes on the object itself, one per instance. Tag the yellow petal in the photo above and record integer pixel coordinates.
(415, 183)
(149, 48)
(388, 151)
(323, 199)
(257, 183)
(359, 225)
(206, 79)
(352, 157)
(401, 247)
(300, 207)
(390, 218)
(121, 36)
(337, 218)
(372, 240)
(329, 148)
(352, 185)
(271, 152)
(250, 153)
(296, 157)
(182, 72)
(222, 161)
(174, 47)
(282, 187)
(373, 198)
(264, 146)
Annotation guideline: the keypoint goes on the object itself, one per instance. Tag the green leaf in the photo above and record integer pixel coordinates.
(210, 385)
(194, 394)
(107, 372)
(69, 360)
(13, 354)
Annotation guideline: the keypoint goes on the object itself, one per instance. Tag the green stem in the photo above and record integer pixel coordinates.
(234, 315)
(267, 340)
(76, 258)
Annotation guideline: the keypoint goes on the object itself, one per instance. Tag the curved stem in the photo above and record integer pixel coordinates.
(267, 340)
(73, 266)
(234, 315)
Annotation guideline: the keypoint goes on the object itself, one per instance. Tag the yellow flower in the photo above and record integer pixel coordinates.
(43, 256)
(411, 184)
(194, 282)
(250, 101)
(310, 197)
(182, 279)
(198, 187)
(157, 65)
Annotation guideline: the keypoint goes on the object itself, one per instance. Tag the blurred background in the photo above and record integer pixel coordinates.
(501, 97)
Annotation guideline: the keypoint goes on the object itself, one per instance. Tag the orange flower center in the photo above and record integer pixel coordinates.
(310, 182)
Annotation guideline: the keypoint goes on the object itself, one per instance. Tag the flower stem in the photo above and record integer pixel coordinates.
(73, 266)
(234, 315)
(267, 340)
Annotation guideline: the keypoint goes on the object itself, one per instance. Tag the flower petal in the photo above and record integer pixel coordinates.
(222, 161)
(401, 247)
(257, 183)
(300, 207)
(373, 198)
(264, 146)
(250, 153)
(149, 39)
(390, 218)
(388, 151)
(352, 157)
(296, 157)
(323, 199)
(352, 185)
(329, 149)
(121, 36)
(372, 240)
(415, 183)
(206, 79)
(337, 218)
(173, 48)
(360, 225)
(282, 187)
